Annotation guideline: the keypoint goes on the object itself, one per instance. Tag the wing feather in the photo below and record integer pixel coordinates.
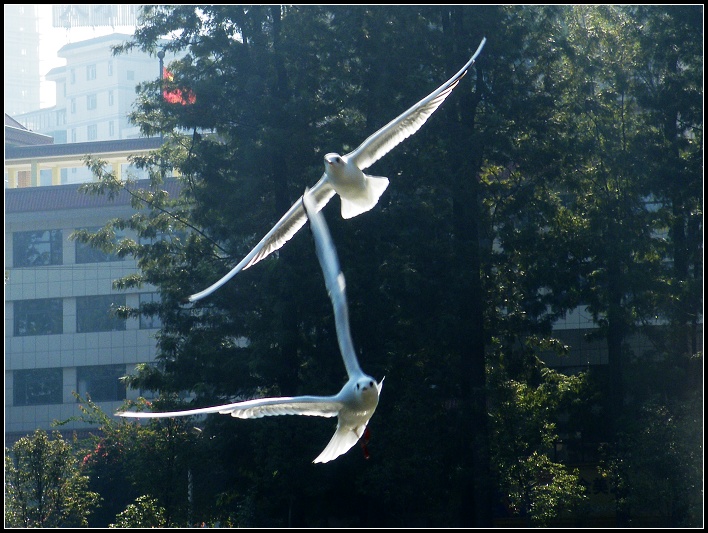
(325, 406)
(407, 123)
(282, 232)
(335, 283)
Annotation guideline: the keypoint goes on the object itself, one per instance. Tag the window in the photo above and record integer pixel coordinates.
(73, 105)
(110, 97)
(90, 72)
(149, 300)
(111, 128)
(39, 386)
(85, 253)
(37, 248)
(102, 383)
(43, 316)
(95, 313)
(161, 237)
(24, 178)
(73, 137)
(72, 75)
(130, 74)
(91, 132)
(110, 68)
(61, 117)
(91, 101)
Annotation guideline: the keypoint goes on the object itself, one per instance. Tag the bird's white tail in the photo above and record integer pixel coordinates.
(375, 187)
(342, 440)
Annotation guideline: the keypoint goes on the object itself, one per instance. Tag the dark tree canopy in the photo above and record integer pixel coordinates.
(564, 171)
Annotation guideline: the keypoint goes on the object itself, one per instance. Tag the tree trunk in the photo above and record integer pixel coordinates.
(466, 161)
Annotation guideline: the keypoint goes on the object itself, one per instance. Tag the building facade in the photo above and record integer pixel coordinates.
(95, 93)
(21, 44)
(60, 334)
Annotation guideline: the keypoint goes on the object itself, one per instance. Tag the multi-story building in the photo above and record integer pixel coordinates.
(97, 89)
(95, 92)
(21, 46)
(60, 336)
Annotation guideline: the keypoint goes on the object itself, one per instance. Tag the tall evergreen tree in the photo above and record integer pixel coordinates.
(525, 196)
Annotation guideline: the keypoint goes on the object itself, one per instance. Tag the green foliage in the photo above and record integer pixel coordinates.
(44, 485)
(541, 490)
(126, 460)
(145, 512)
(655, 467)
(523, 435)
(565, 170)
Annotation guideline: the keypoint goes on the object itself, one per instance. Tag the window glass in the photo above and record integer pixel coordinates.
(85, 253)
(38, 317)
(37, 248)
(95, 313)
(149, 322)
(39, 386)
(102, 383)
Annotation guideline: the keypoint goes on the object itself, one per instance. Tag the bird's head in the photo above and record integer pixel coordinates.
(368, 389)
(333, 161)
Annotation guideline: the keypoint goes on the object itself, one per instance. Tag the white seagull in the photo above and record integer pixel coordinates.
(343, 175)
(354, 404)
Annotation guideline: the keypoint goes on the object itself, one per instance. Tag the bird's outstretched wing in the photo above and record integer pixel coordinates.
(284, 229)
(407, 123)
(371, 150)
(325, 406)
(334, 281)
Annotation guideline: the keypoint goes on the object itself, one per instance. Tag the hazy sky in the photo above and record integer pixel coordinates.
(52, 39)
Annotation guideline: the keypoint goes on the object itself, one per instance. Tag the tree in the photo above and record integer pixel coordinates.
(198, 350)
(145, 512)
(133, 464)
(668, 87)
(616, 134)
(44, 485)
(525, 197)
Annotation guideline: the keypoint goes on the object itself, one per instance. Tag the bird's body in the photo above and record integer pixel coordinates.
(353, 405)
(344, 176)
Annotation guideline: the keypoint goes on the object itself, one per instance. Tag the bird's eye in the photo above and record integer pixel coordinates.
(357, 386)
(371, 383)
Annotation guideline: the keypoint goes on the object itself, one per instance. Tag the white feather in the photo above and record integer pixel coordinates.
(354, 404)
(344, 175)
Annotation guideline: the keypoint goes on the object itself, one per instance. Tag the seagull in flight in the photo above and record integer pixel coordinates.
(343, 175)
(354, 405)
